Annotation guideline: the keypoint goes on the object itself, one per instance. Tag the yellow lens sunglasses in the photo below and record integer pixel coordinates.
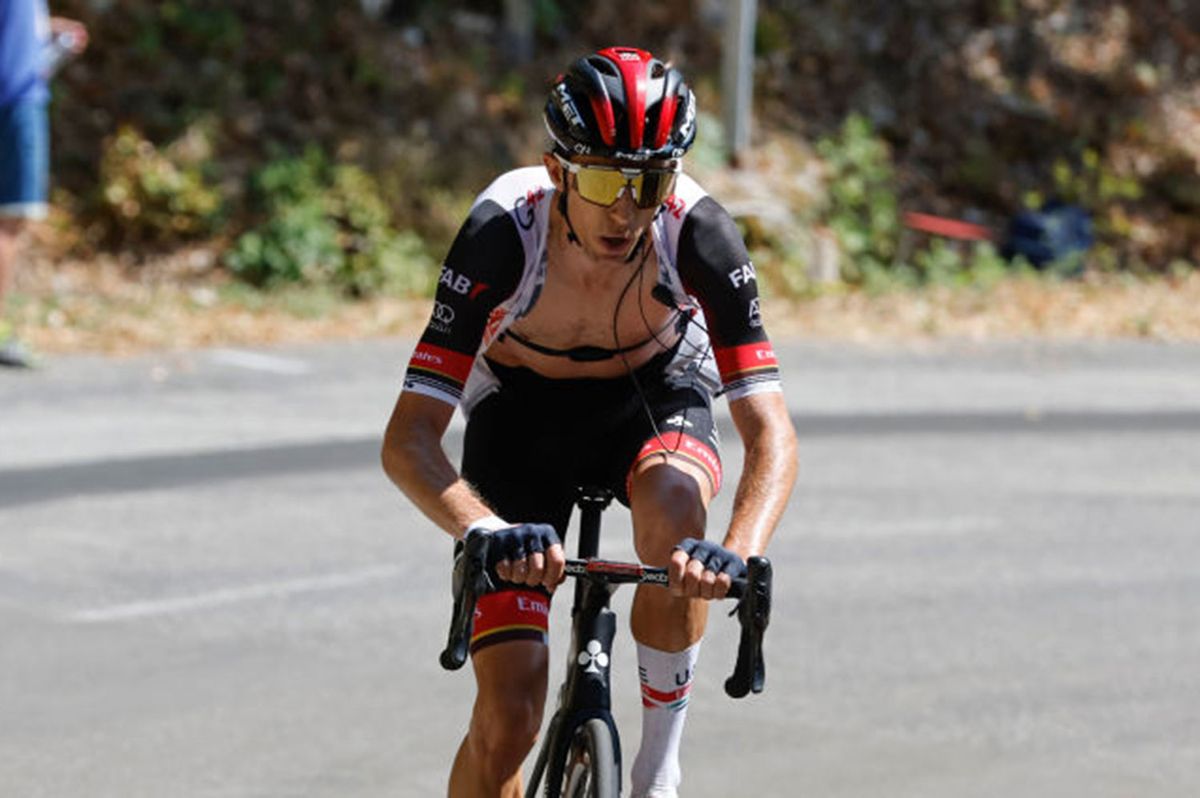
(603, 185)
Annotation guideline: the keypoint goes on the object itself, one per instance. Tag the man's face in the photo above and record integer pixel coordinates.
(606, 232)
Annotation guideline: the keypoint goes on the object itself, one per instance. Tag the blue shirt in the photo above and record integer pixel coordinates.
(24, 31)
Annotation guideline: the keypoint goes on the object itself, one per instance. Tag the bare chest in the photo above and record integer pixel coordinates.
(610, 308)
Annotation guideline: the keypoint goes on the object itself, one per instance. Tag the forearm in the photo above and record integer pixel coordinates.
(768, 476)
(429, 480)
(415, 461)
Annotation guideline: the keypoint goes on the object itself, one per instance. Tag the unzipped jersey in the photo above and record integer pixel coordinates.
(496, 268)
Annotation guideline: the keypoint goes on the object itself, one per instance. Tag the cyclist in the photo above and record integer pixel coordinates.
(586, 315)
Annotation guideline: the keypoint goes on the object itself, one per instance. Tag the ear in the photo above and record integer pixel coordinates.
(554, 168)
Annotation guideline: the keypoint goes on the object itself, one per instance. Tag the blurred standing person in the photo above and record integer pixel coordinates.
(31, 45)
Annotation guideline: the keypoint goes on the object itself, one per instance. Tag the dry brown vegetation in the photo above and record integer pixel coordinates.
(106, 307)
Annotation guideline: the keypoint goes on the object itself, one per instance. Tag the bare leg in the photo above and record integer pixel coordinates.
(10, 234)
(511, 681)
(669, 503)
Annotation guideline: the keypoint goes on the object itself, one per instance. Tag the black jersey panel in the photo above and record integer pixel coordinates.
(716, 269)
(482, 270)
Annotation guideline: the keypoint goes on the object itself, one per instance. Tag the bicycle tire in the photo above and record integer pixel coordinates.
(591, 770)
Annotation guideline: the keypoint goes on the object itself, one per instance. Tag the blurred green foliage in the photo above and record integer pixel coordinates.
(326, 224)
(863, 212)
(862, 203)
(156, 196)
(173, 125)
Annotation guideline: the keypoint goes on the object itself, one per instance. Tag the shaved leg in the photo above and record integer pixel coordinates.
(10, 234)
(669, 502)
(511, 681)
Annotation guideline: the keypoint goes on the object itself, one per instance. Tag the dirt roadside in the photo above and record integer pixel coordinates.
(110, 308)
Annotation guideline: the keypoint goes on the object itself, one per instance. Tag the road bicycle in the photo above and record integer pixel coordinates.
(580, 756)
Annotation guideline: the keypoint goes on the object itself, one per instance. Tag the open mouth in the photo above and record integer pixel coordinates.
(615, 242)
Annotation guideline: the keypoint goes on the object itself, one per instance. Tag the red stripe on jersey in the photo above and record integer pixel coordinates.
(736, 360)
(680, 445)
(445, 362)
(508, 610)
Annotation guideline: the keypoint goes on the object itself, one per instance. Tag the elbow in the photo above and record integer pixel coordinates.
(791, 442)
(780, 438)
(395, 455)
(411, 448)
(788, 447)
(388, 459)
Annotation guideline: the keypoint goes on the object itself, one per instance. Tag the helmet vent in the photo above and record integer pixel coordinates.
(604, 65)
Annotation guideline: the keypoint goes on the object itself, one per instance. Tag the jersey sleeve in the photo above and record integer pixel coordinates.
(482, 269)
(716, 269)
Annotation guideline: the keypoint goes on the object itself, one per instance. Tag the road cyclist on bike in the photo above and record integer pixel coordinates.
(587, 314)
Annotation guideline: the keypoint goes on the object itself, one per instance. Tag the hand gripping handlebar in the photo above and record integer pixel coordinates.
(473, 577)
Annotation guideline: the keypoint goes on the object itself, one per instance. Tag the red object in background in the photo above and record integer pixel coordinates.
(948, 228)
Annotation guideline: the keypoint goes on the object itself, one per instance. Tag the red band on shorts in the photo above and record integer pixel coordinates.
(676, 444)
(510, 615)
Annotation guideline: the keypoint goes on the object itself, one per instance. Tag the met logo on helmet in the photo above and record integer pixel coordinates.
(567, 106)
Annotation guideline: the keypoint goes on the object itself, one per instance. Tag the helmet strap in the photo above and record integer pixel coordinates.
(636, 248)
(562, 208)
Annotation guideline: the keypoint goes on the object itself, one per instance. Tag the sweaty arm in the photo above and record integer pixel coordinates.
(716, 269)
(481, 270)
(768, 471)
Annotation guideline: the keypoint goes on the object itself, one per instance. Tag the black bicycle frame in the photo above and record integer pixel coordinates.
(586, 693)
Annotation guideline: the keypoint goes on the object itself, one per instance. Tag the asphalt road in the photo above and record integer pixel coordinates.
(988, 583)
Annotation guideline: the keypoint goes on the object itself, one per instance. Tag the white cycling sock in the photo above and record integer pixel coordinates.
(666, 684)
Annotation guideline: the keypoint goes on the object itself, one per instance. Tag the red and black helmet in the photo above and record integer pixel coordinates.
(622, 102)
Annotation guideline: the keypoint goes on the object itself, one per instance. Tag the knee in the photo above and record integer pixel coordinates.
(671, 508)
(502, 734)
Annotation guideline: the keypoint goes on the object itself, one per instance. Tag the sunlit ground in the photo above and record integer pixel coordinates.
(106, 307)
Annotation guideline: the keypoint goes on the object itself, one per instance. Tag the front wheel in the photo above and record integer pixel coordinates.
(591, 770)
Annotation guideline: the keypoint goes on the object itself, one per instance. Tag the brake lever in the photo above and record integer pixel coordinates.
(471, 580)
(754, 615)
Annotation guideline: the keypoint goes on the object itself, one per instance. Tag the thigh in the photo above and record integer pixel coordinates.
(682, 437)
(516, 613)
(669, 503)
(674, 474)
(520, 467)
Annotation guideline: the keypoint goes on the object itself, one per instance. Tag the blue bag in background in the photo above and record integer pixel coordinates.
(1051, 234)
